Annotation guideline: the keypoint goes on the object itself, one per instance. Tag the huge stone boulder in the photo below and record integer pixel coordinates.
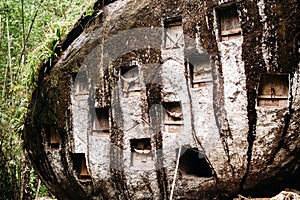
(171, 99)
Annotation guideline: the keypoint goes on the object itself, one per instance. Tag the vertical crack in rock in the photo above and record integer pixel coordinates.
(153, 92)
(160, 171)
(102, 190)
(252, 118)
(117, 172)
(117, 169)
(219, 111)
(253, 59)
(147, 184)
(118, 179)
(117, 146)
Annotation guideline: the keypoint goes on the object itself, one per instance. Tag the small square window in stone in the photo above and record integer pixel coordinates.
(200, 71)
(229, 24)
(193, 162)
(141, 153)
(273, 91)
(173, 117)
(53, 136)
(174, 37)
(80, 82)
(80, 167)
(101, 120)
(130, 80)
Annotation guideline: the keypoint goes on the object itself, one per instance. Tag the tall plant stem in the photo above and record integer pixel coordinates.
(9, 65)
(25, 39)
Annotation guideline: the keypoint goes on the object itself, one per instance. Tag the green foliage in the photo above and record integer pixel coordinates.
(30, 31)
(44, 191)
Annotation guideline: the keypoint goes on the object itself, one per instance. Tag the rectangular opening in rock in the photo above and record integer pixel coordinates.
(173, 117)
(174, 37)
(101, 121)
(80, 84)
(130, 80)
(200, 70)
(80, 167)
(141, 153)
(228, 23)
(273, 91)
(193, 162)
(53, 136)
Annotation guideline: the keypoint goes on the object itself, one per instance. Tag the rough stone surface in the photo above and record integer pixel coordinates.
(250, 149)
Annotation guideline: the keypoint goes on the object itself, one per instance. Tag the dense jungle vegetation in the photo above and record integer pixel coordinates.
(30, 30)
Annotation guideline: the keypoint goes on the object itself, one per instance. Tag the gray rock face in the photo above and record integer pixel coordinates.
(170, 99)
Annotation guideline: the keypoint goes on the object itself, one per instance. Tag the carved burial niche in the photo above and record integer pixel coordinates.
(130, 80)
(273, 91)
(228, 23)
(141, 153)
(80, 167)
(80, 84)
(200, 70)
(174, 37)
(173, 117)
(53, 137)
(193, 162)
(101, 121)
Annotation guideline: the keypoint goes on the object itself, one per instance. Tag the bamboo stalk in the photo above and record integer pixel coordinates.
(1, 31)
(8, 50)
(8, 60)
(175, 174)
(38, 189)
(23, 33)
(26, 38)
